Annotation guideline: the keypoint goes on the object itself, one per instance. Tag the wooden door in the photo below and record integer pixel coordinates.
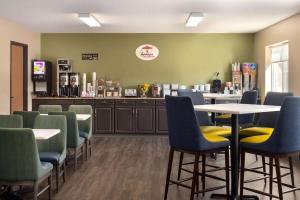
(124, 119)
(145, 119)
(161, 120)
(17, 87)
(104, 119)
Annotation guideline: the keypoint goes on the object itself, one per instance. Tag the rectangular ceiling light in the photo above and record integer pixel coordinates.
(194, 19)
(89, 20)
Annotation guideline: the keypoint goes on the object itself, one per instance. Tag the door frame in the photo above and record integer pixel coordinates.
(25, 74)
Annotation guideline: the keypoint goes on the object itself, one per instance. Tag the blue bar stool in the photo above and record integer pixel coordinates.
(283, 142)
(185, 136)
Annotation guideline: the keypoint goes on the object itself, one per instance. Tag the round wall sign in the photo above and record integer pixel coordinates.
(147, 52)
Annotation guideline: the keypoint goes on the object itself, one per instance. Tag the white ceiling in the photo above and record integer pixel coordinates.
(148, 16)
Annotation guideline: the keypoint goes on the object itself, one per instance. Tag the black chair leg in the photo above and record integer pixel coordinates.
(203, 174)
(50, 187)
(57, 171)
(227, 172)
(171, 155)
(75, 158)
(271, 177)
(243, 154)
(180, 165)
(90, 146)
(292, 171)
(278, 173)
(264, 167)
(82, 153)
(65, 171)
(195, 174)
(36, 190)
(86, 149)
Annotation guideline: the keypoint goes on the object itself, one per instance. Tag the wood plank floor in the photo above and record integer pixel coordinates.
(134, 168)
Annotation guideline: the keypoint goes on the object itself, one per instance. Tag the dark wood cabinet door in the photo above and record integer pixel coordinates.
(161, 120)
(124, 119)
(104, 120)
(145, 119)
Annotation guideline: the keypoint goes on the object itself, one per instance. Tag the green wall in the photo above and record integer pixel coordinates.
(183, 58)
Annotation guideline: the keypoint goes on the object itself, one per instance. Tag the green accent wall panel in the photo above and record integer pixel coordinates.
(183, 58)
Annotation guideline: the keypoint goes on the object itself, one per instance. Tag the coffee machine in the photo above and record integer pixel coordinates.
(63, 84)
(64, 67)
(74, 84)
(216, 84)
(41, 77)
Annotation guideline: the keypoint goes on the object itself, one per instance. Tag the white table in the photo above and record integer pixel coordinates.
(82, 117)
(235, 110)
(220, 96)
(213, 97)
(79, 117)
(45, 134)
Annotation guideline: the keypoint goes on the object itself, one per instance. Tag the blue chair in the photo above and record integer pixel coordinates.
(266, 121)
(204, 121)
(197, 99)
(283, 142)
(186, 136)
(249, 97)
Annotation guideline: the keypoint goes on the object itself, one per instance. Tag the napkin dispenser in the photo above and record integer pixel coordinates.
(130, 93)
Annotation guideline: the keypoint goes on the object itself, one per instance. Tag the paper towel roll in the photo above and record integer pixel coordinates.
(84, 82)
(94, 79)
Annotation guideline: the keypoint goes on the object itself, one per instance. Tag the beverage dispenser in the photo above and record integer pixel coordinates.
(74, 82)
(63, 84)
(41, 77)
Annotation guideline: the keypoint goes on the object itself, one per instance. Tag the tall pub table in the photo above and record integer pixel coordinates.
(235, 110)
(214, 97)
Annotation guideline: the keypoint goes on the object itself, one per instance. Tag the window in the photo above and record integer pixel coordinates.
(277, 70)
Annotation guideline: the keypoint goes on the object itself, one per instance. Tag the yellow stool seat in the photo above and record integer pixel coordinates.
(223, 116)
(216, 130)
(253, 131)
(215, 138)
(256, 139)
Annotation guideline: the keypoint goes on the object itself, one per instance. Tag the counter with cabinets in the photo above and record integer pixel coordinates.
(118, 115)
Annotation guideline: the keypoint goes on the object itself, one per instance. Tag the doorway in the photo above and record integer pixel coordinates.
(18, 76)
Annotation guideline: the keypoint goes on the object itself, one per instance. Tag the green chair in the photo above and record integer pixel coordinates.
(11, 121)
(45, 109)
(28, 117)
(86, 126)
(20, 164)
(75, 143)
(54, 149)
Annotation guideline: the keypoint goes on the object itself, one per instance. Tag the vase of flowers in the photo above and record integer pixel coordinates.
(144, 88)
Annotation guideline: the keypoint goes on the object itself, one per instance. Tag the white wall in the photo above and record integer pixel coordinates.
(10, 31)
(288, 29)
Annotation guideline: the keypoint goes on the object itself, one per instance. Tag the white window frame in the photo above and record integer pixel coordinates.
(268, 70)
